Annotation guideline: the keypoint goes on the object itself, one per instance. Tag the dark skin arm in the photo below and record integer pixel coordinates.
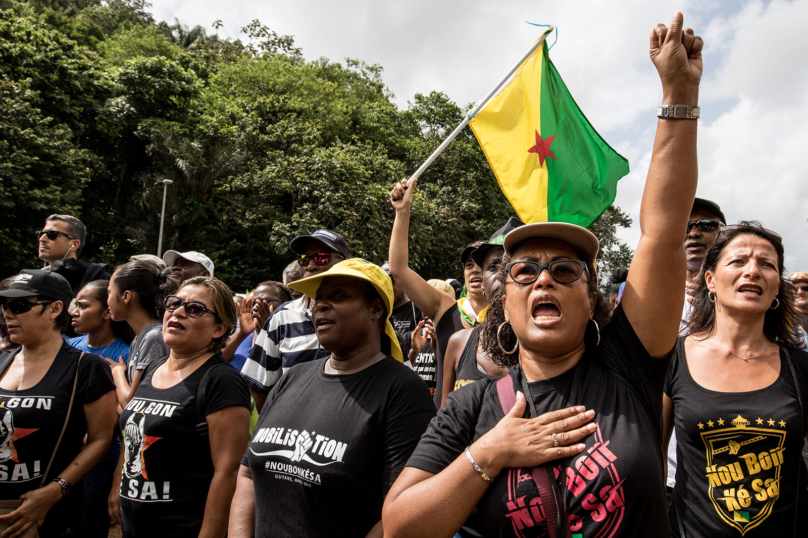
(242, 510)
(421, 504)
(451, 360)
(432, 302)
(260, 399)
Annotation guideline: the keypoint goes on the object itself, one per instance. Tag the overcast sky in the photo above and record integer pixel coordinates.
(754, 94)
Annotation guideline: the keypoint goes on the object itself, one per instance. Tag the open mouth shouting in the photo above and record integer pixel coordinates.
(546, 310)
(750, 290)
(321, 323)
(476, 283)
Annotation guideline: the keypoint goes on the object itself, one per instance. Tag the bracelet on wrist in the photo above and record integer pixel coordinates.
(679, 112)
(477, 467)
(64, 485)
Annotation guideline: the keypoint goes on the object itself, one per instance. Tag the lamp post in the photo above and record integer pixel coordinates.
(166, 183)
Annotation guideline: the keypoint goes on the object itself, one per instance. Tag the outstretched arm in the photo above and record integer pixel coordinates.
(432, 302)
(654, 293)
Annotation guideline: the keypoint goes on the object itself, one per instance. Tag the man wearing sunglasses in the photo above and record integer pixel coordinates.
(288, 336)
(60, 242)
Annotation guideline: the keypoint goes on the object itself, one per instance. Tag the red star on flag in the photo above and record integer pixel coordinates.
(542, 148)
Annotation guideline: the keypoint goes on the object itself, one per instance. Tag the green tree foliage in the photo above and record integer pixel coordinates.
(101, 104)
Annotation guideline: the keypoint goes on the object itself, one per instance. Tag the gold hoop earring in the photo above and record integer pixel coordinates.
(499, 342)
(775, 306)
(712, 296)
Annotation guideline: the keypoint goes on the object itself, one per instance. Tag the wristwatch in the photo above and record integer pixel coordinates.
(64, 484)
(679, 112)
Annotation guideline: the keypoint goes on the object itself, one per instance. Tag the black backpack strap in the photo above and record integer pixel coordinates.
(201, 392)
(802, 414)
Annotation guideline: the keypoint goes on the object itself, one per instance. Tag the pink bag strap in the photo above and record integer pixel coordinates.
(542, 473)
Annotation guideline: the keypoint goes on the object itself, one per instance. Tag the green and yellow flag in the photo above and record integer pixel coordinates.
(550, 162)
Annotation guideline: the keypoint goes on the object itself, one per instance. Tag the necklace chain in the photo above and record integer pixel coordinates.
(740, 356)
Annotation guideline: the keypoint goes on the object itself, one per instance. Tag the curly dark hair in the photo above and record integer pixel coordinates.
(496, 316)
(779, 324)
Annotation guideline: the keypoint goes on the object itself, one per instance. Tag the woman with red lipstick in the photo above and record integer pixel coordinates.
(737, 392)
(570, 442)
(186, 428)
(335, 432)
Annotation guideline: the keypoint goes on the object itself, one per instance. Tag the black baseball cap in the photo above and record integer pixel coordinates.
(44, 284)
(471, 247)
(712, 207)
(496, 240)
(332, 240)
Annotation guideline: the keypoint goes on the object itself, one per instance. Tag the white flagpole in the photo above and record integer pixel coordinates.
(480, 105)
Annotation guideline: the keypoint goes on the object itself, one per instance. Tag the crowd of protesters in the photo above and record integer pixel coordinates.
(355, 399)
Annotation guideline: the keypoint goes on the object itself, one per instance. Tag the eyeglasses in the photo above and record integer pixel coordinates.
(194, 309)
(53, 234)
(321, 258)
(20, 306)
(562, 271)
(802, 288)
(707, 225)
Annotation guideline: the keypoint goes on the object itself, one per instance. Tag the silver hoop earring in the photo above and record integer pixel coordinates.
(712, 296)
(499, 342)
(775, 306)
(597, 328)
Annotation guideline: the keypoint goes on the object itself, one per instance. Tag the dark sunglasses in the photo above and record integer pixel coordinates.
(321, 258)
(802, 288)
(53, 234)
(707, 225)
(562, 271)
(20, 306)
(194, 309)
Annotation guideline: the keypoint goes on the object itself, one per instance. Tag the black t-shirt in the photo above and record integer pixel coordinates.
(448, 324)
(31, 421)
(327, 448)
(468, 371)
(616, 487)
(405, 318)
(739, 454)
(167, 467)
(425, 366)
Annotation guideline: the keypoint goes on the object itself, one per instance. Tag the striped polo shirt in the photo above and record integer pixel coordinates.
(287, 338)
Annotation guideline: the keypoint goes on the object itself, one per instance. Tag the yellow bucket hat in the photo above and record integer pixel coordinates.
(362, 269)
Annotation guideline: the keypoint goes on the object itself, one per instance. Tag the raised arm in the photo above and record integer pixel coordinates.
(655, 290)
(432, 302)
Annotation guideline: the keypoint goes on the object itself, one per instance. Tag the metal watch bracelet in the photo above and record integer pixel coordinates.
(64, 484)
(679, 112)
(477, 467)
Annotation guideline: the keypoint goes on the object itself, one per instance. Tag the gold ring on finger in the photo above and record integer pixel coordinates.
(555, 440)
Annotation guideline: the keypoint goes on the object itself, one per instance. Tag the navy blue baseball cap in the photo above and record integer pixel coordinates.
(332, 240)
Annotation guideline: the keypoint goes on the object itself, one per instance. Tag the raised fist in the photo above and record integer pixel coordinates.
(302, 445)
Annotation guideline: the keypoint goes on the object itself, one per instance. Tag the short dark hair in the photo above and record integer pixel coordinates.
(284, 293)
(779, 324)
(74, 227)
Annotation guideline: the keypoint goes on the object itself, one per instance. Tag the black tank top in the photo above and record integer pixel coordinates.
(738, 455)
(467, 369)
